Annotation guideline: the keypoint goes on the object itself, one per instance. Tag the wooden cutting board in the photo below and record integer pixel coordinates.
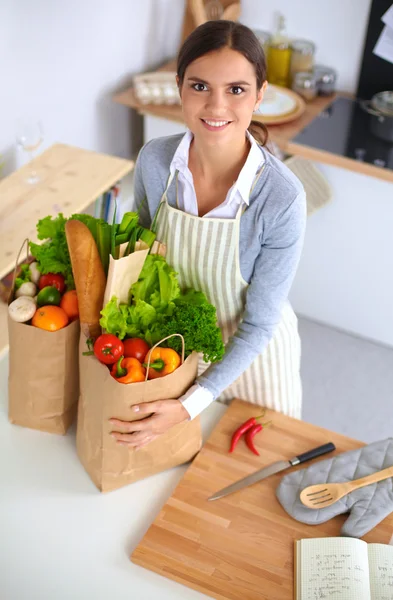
(239, 547)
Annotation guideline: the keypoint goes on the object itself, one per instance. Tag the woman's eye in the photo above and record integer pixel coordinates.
(199, 87)
(237, 90)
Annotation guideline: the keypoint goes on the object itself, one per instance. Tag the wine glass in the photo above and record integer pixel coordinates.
(29, 136)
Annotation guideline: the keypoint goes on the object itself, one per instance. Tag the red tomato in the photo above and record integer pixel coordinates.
(136, 348)
(56, 280)
(108, 348)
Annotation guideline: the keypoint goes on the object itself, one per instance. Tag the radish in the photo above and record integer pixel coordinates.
(34, 272)
(26, 289)
(22, 309)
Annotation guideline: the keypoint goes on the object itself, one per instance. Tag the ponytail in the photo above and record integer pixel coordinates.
(260, 132)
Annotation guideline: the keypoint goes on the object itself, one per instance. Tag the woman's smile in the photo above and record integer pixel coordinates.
(215, 125)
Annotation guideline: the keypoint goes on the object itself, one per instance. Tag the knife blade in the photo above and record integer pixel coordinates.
(276, 467)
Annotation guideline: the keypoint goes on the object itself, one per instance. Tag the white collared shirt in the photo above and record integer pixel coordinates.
(238, 193)
(197, 398)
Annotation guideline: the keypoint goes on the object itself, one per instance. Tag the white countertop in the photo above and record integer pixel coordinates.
(61, 539)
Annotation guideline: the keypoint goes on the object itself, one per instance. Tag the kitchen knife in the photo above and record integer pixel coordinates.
(276, 467)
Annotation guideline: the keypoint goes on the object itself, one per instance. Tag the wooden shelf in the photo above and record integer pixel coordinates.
(70, 180)
(282, 135)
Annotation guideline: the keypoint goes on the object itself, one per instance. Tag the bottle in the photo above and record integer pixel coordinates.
(264, 38)
(279, 56)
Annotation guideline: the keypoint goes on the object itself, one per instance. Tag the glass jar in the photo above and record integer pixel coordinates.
(279, 56)
(326, 80)
(264, 38)
(305, 84)
(302, 58)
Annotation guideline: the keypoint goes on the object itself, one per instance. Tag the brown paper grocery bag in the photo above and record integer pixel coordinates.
(122, 274)
(109, 464)
(43, 381)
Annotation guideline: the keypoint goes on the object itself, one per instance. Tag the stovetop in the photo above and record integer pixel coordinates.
(343, 128)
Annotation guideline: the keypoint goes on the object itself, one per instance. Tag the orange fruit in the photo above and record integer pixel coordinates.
(50, 318)
(69, 303)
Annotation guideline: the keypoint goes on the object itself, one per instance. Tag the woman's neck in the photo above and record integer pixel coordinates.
(215, 164)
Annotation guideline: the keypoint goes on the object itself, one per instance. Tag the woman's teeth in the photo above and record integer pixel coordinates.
(215, 123)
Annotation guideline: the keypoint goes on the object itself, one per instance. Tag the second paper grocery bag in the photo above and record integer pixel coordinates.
(43, 376)
(111, 465)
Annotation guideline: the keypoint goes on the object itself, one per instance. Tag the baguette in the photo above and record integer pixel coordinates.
(89, 276)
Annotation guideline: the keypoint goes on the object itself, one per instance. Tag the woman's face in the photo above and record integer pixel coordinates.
(219, 94)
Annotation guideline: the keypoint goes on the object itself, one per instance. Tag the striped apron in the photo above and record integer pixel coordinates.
(205, 254)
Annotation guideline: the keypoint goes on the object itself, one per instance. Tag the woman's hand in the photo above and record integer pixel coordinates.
(166, 414)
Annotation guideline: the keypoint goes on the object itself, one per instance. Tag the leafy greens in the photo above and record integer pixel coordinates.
(158, 308)
(53, 256)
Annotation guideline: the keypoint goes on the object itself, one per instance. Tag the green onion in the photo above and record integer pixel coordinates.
(104, 231)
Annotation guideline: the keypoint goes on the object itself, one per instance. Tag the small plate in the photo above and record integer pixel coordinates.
(279, 105)
(276, 103)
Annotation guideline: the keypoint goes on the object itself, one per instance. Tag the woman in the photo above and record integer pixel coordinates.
(233, 219)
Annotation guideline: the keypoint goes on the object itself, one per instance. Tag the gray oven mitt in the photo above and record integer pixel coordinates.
(367, 506)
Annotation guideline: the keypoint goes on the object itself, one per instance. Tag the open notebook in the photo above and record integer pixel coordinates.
(341, 568)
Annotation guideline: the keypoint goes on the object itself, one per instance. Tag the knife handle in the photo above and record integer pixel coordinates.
(312, 453)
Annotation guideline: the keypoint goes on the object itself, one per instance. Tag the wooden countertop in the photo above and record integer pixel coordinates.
(282, 135)
(71, 179)
(241, 546)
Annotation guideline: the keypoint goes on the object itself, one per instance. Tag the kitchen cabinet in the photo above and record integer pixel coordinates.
(70, 180)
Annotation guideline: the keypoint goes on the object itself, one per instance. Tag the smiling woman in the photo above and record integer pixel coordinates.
(236, 71)
(232, 217)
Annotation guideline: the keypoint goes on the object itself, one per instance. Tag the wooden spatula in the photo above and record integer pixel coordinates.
(325, 494)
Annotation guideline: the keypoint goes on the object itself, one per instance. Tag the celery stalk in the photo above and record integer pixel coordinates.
(146, 236)
(128, 222)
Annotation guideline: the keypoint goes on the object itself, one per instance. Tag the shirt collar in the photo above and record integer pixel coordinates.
(246, 177)
(180, 158)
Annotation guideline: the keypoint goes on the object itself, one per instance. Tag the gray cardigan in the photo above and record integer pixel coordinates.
(271, 238)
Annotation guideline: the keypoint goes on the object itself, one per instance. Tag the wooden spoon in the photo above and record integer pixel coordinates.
(198, 12)
(232, 12)
(325, 494)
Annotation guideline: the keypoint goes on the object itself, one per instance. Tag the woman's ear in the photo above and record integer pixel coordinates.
(260, 95)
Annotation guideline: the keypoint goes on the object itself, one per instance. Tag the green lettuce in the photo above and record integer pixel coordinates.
(23, 276)
(158, 308)
(53, 255)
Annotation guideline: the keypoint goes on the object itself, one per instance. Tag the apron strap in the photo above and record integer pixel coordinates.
(163, 199)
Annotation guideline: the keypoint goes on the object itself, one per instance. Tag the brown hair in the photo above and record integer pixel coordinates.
(215, 35)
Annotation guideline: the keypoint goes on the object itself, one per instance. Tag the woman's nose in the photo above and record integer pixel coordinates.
(216, 100)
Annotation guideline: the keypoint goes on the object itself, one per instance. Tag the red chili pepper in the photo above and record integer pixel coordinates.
(243, 428)
(251, 433)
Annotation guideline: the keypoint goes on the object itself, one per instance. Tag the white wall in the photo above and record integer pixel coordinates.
(63, 61)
